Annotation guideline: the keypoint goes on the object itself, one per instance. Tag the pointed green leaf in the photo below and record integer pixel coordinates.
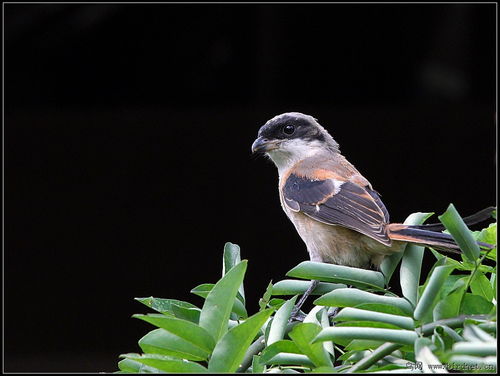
(449, 306)
(186, 330)
(475, 304)
(168, 364)
(131, 366)
(460, 232)
(184, 313)
(230, 259)
(257, 366)
(230, 350)
(204, 289)
(280, 321)
(481, 286)
(267, 295)
(312, 316)
(282, 346)
(159, 341)
(164, 305)
(219, 302)
(303, 334)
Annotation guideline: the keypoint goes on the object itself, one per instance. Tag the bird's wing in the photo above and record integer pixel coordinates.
(335, 202)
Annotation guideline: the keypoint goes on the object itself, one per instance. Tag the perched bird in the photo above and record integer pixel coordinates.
(335, 210)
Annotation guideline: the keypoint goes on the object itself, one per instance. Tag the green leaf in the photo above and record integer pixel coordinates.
(295, 287)
(231, 258)
(488, 234)
(280, 321)
(187, 330)
(220, 301)
(346, 334)
(372, 357)
(230, 350)
(384, 308)
(265, 298)
(282, 346)
(410, 272)
(168, 364)
(431, 292)
(324, 369)
(276, 303)
(131, 366)
(338, 274)
(291, 359)
(204, 289)
(362, 344)
(257, 366)
(164, 305)
(475, 304)
(190, 314)
(302, 335)
(481, 286)
(312, 316)
(324, 321)
(474, 333)
(449, 306)
(159, 341)
(475, 348)
(355, 314)
(366, 324)
(460, 232)
(424, 355)
(350, 297)
(389, 263)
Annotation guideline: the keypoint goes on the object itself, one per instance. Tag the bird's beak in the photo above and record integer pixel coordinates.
(262, 145)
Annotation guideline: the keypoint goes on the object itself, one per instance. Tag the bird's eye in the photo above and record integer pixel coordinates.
(288, 129)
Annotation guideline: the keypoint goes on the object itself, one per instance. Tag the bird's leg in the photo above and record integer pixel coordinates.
(296, 309)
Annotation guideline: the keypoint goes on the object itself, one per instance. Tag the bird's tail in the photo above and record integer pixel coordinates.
(431, 236)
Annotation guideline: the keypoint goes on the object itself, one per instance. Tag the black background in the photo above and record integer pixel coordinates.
(127, 147)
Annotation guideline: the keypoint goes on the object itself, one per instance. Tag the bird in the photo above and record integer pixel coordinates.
(334, 208)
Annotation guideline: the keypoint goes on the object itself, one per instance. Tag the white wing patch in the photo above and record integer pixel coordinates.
(337, 185)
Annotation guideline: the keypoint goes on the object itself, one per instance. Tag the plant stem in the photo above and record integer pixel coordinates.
(384, 350)
(454, 322)
(256, 347)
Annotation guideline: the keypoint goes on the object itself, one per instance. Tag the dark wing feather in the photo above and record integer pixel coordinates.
(352, 206)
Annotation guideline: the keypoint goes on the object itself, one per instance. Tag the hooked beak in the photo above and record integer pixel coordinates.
(263, 145)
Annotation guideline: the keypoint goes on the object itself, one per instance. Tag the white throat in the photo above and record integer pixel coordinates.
(292, 151)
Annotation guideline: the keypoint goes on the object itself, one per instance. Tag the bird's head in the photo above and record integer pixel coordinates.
(291, 137)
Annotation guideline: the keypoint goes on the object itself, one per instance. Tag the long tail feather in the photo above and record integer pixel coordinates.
(438, 240)
(478, 217)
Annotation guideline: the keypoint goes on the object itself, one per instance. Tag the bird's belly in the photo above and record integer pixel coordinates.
(337, 244)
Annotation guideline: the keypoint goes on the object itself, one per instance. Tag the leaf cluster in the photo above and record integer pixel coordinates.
(448, 323)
